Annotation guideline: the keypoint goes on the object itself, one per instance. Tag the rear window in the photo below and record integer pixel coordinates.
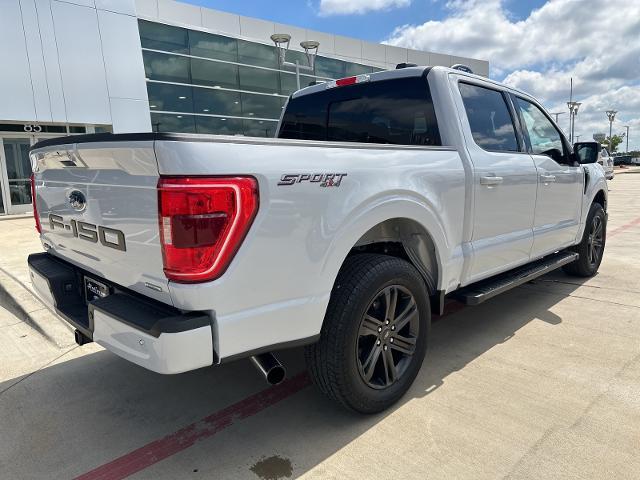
(398, 112)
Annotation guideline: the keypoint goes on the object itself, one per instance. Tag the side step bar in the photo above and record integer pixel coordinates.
(484, 290)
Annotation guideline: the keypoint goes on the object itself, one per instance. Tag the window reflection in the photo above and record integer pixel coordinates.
(213, 46)
(215, 74)
(220, 102)
(218, 126)
(257, 54)
(158, 36)
(225, 80)
(168, 122)
(169, 68)
(261, 106)
(259, 80)
(259, 128)
(170, 98)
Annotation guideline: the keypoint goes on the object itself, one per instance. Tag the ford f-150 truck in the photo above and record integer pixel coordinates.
(382, 196)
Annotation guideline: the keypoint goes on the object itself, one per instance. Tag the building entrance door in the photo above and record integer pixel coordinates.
(15, 172)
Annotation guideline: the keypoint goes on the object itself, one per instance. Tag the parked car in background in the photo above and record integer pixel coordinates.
(606, 161)
(622, 160)
(635, 161)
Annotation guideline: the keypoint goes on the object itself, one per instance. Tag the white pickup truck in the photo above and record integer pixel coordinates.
(382, 196)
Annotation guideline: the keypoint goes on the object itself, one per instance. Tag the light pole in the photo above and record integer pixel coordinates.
(310, 47)
(557, 114)
(573, 111)
(627, 127)
(611, 114)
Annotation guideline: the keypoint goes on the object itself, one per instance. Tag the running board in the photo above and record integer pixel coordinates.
(485, 289)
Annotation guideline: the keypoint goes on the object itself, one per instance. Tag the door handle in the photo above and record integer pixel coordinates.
(489, 181)
(548, 178)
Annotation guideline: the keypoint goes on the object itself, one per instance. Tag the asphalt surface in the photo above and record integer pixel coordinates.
(541, 382)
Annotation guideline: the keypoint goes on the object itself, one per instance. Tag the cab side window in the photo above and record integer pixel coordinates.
(543, 136)
(489, 118)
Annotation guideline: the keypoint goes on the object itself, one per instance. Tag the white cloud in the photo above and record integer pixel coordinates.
(350, 7)
(597, 42)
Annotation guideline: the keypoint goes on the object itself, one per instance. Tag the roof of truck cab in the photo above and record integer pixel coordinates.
(408, 72)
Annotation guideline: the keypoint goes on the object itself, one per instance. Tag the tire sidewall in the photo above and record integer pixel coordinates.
(405, 275)
(595, 210)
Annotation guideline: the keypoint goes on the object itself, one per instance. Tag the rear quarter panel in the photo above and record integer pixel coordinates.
(277, 287)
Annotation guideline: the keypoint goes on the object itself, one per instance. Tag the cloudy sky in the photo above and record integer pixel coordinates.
(534, 45)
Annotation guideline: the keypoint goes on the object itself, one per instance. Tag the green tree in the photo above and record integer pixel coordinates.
(615, 141)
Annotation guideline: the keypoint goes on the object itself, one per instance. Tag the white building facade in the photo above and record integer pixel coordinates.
(85, 66)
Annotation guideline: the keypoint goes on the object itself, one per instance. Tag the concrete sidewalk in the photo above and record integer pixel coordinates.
(542, 382)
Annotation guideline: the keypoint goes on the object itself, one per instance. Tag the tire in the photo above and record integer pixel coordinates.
(340, 362)
(591, 248)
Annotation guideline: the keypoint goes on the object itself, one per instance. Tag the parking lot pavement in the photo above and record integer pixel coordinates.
(541, 382)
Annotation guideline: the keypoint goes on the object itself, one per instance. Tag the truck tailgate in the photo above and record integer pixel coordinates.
(98, 208)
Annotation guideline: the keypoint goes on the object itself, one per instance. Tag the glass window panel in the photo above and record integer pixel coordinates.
(292, 56)
(259, 80)
(218, 126)
(396, 111)
(219, 102)
(330, 68)
(259, 128)
(170, 98)
(543, 136)
(169, 68)
(60, 129)
(213, 46)
(163, 37)
(263, 106)
(352, 69)
(16, 152)
(288, 83)
(489, 118)
(167, 122)
(257, 54)
(215, 74)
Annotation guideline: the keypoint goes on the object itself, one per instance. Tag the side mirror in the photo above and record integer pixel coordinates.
(587, 152)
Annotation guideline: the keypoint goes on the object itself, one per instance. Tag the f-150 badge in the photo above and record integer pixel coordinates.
(323, 179)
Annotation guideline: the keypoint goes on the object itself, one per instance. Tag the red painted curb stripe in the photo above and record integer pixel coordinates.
(624, 227)
(207, 427)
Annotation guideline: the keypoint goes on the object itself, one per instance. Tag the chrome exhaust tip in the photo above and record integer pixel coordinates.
(270, 367)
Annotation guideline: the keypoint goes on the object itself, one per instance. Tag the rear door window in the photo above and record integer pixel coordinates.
(489, 118)
(398, 112)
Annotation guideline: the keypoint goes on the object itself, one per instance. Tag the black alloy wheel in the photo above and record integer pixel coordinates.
(387, 336)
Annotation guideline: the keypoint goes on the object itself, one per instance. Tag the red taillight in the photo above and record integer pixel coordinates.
(203, 221)
(346, 81)
(35, 207)
(343, 82)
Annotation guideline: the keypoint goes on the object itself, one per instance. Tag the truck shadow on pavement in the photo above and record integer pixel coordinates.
(74, 416)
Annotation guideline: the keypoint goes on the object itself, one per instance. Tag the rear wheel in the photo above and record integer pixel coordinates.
(374, 335)
(591, 248)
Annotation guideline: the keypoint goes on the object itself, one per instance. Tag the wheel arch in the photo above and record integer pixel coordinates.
(404, 238)
(601, 198)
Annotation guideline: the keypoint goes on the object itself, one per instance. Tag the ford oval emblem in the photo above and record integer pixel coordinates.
(77, 200)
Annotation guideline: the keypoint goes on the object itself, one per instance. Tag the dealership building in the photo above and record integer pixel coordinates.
(87, 66)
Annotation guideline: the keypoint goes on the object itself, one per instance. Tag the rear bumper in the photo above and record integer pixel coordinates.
(146, 332)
